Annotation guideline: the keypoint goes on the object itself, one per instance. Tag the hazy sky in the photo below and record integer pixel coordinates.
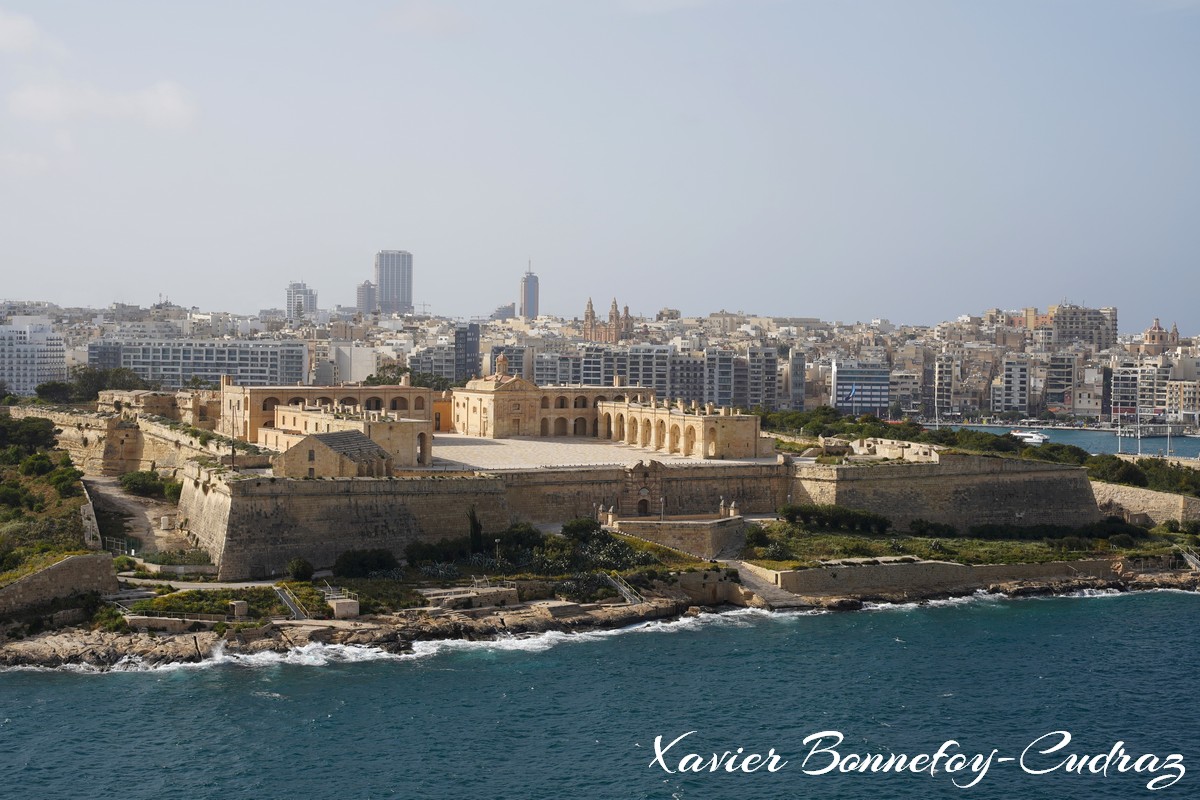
(845, 159)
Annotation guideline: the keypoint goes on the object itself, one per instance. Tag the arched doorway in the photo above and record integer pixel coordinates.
(545, 426)
(560, 426)
(646, 433)
(643, 508)
(660, 435)
(712, 442)
(673, 442)
(689, 440)
(580, 426)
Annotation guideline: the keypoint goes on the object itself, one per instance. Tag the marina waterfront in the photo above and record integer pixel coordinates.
(560, 715)
(1098, 442)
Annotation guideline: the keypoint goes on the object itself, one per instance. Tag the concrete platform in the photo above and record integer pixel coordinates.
(456, 450)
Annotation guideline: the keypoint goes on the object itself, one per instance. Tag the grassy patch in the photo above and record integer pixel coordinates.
(262, 600)
(790, 547)
(383, 595)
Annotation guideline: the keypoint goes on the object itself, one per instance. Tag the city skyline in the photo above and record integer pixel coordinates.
(789, 158)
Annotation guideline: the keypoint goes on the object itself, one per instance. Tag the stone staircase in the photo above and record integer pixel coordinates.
(772, 597)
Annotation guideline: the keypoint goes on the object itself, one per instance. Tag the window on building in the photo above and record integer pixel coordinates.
(312, 456)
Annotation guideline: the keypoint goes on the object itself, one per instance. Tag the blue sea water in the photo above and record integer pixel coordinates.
(1106, 442)
(561, 716)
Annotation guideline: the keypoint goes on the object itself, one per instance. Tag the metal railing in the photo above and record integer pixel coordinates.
(630, 594)
(292, 602)
(337, 593)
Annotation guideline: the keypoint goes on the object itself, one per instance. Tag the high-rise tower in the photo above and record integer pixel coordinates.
(529, 294)
(393, 281)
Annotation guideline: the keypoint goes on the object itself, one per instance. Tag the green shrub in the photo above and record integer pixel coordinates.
(145, 483)
(300, 569)
(361, 563)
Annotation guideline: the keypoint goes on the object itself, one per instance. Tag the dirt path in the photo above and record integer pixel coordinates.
(144, 514)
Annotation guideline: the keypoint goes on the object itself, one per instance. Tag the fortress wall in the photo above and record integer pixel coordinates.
(702, 538)
(1113, 498)
(960, 491)
(930, 576)
(108, 444)
(557, 495)
(253, 526)
(87, 436)
(71, 576)
(757, 489)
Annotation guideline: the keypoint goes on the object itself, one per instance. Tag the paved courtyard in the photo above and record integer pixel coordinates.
(456, 450)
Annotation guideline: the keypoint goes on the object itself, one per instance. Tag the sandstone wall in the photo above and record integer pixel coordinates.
(960, 491)
(1113, 498)
(108, 444)
(253, 526)
(929, 576)
(72, 576)
(701, 538)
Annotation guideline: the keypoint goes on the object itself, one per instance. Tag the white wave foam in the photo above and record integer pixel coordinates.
(979, 596)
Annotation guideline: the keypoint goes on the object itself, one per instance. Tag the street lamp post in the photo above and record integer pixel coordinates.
(662, 509)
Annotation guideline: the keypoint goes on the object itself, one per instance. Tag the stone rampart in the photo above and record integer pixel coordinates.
(1113, 498)
(74, 575)
(253, 526)
(109, 444)
(962, 491)
(703, 538)
(924, 577)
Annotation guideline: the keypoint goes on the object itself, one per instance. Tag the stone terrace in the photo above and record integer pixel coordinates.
(456, 450)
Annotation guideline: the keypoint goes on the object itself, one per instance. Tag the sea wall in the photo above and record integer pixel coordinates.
(73, 575)
(1116, 499)
(924, 577)
(962, 491)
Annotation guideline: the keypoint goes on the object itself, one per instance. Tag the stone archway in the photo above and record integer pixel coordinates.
(580, 427)
(423, 449)
(643, 507)
(689, 440)
(712, 443)
(647, 433)
(660, 434)
(545, 426)
(673, 441)
(560, 426)
(399, 404)
(608, 427)
(373, 404)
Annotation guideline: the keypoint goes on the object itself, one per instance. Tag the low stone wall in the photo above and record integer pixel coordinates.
(703, 538)
(712, 588)
(929, 576)
(91, 526)
(179, 569)
(1116, 499)
(73, 575)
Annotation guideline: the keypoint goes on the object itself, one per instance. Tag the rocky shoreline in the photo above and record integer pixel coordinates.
(397, 634)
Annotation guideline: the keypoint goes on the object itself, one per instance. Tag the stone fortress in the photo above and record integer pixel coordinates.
(337, 468)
